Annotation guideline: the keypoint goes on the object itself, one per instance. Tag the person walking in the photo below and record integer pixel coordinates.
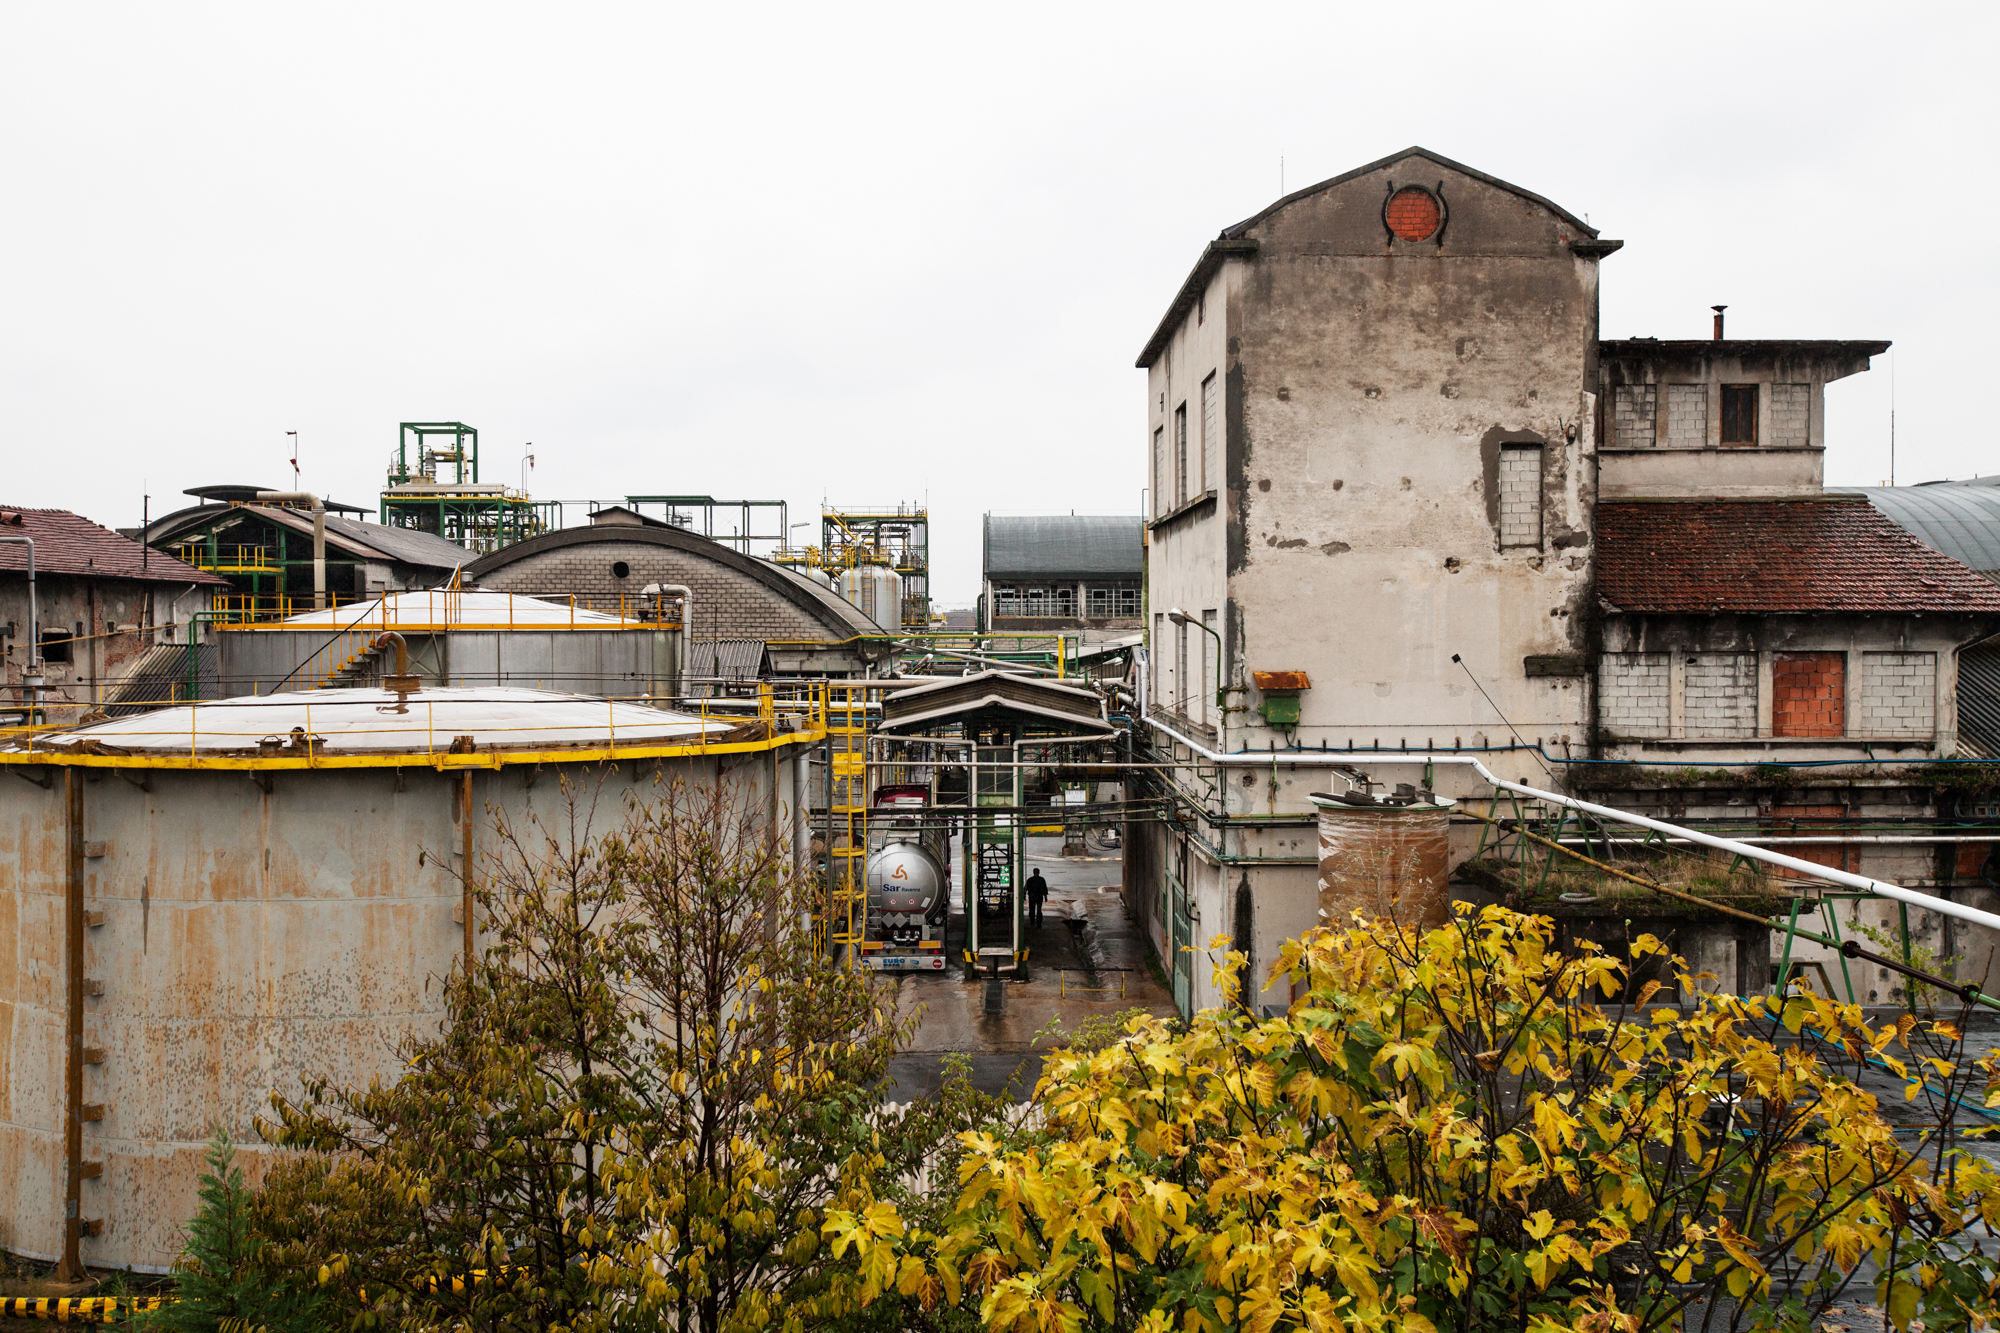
(1038, 892)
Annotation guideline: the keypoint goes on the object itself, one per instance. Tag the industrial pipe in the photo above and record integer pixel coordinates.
(319, 536)
(31, 677)
(402, 682)
(1748, 851)
(687, 627)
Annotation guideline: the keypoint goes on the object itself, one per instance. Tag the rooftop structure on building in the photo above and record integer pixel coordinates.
(1959, 518)
(1404, 499)
(1060, 572)
(809, 628)
(434, 488)
(263, 549)
(99, 609)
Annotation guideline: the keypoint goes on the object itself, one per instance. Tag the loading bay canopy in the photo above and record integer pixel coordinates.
(1026, 701)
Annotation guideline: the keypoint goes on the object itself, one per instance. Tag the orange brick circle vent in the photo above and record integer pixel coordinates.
(1413, 214)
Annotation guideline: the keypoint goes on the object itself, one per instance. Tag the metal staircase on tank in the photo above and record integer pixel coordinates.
(355, 670)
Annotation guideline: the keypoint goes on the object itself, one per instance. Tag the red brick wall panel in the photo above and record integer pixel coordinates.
(1413, 214)
(1809, 694)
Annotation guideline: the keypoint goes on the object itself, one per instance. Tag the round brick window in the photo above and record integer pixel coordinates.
(1413, 214)
(620, 570)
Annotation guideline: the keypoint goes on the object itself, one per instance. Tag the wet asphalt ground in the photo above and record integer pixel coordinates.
(1005, 1049)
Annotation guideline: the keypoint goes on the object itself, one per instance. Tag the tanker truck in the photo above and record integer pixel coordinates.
(909, 883)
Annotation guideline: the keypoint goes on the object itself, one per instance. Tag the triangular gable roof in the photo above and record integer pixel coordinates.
(1415, 150)
(1232, 241)
(1027, 698)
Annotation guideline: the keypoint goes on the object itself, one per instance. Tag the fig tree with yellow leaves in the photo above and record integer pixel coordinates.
(1464, 1129)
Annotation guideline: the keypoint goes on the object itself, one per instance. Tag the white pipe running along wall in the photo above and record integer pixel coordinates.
(1748, 851)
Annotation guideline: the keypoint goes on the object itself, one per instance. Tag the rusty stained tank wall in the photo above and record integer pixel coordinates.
(251, 938)
(1383, 861)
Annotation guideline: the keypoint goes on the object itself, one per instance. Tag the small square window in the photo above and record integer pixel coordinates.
(1739, 414)
(55, 645)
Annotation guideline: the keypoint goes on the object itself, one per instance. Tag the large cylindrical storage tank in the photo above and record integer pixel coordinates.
(877, 590)
(1384, 857)
(253, 891)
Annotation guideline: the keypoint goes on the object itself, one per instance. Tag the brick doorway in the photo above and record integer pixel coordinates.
(1809, 694)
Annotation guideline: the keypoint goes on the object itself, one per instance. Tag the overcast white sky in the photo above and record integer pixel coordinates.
(875, 254)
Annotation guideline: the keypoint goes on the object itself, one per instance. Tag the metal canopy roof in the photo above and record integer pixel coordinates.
(1026, 699)
(381, 721)
(1064, 546)
(1959, 518)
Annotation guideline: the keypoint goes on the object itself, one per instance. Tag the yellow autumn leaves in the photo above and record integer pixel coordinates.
(1454, 1130)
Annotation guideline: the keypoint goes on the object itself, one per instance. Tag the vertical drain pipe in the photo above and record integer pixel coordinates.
(72, 1259)
(31, 676)
(465, 885)
(801, 796)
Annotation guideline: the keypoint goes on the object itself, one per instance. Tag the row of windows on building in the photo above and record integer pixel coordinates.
(1638, 422)
(1185, 469)
(1060, 602)
(1716, 696)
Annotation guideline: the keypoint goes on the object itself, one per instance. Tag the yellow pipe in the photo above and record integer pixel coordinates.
(410, 759)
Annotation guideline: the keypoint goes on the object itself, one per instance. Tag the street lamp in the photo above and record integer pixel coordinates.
(1180, 617)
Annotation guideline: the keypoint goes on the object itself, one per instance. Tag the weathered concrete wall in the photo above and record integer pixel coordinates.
(1660, 415)
(1187, 552)
(115, 621)
(1369, 388)
(1380, 382)
(1661, 472)
(1662, 682)
(250, 939)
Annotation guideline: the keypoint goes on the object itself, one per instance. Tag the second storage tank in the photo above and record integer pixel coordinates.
(877, 590)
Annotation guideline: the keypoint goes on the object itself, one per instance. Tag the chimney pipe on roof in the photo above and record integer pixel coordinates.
(1718, 309)
(319, 535)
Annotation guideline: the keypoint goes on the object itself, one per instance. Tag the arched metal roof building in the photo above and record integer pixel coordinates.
(737, 597)
(1959, 518)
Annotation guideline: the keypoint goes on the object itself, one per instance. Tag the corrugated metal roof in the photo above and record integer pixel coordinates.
(1065, 545)
(404, 544)
(346, 536)
(67, 543)
(161, 677)
(726, 659)
(1959, 518)
(1979, 699)
(1830, 554)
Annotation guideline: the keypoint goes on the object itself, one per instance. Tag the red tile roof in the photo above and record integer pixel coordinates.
(1828, 554)
(67, 543)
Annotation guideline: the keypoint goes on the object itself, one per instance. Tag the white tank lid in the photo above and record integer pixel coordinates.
(377, 721)
(473, 608)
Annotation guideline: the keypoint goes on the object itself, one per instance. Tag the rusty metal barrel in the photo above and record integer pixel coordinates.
(1384, 857)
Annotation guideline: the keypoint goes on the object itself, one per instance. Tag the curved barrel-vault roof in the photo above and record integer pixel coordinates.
(736, 596)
